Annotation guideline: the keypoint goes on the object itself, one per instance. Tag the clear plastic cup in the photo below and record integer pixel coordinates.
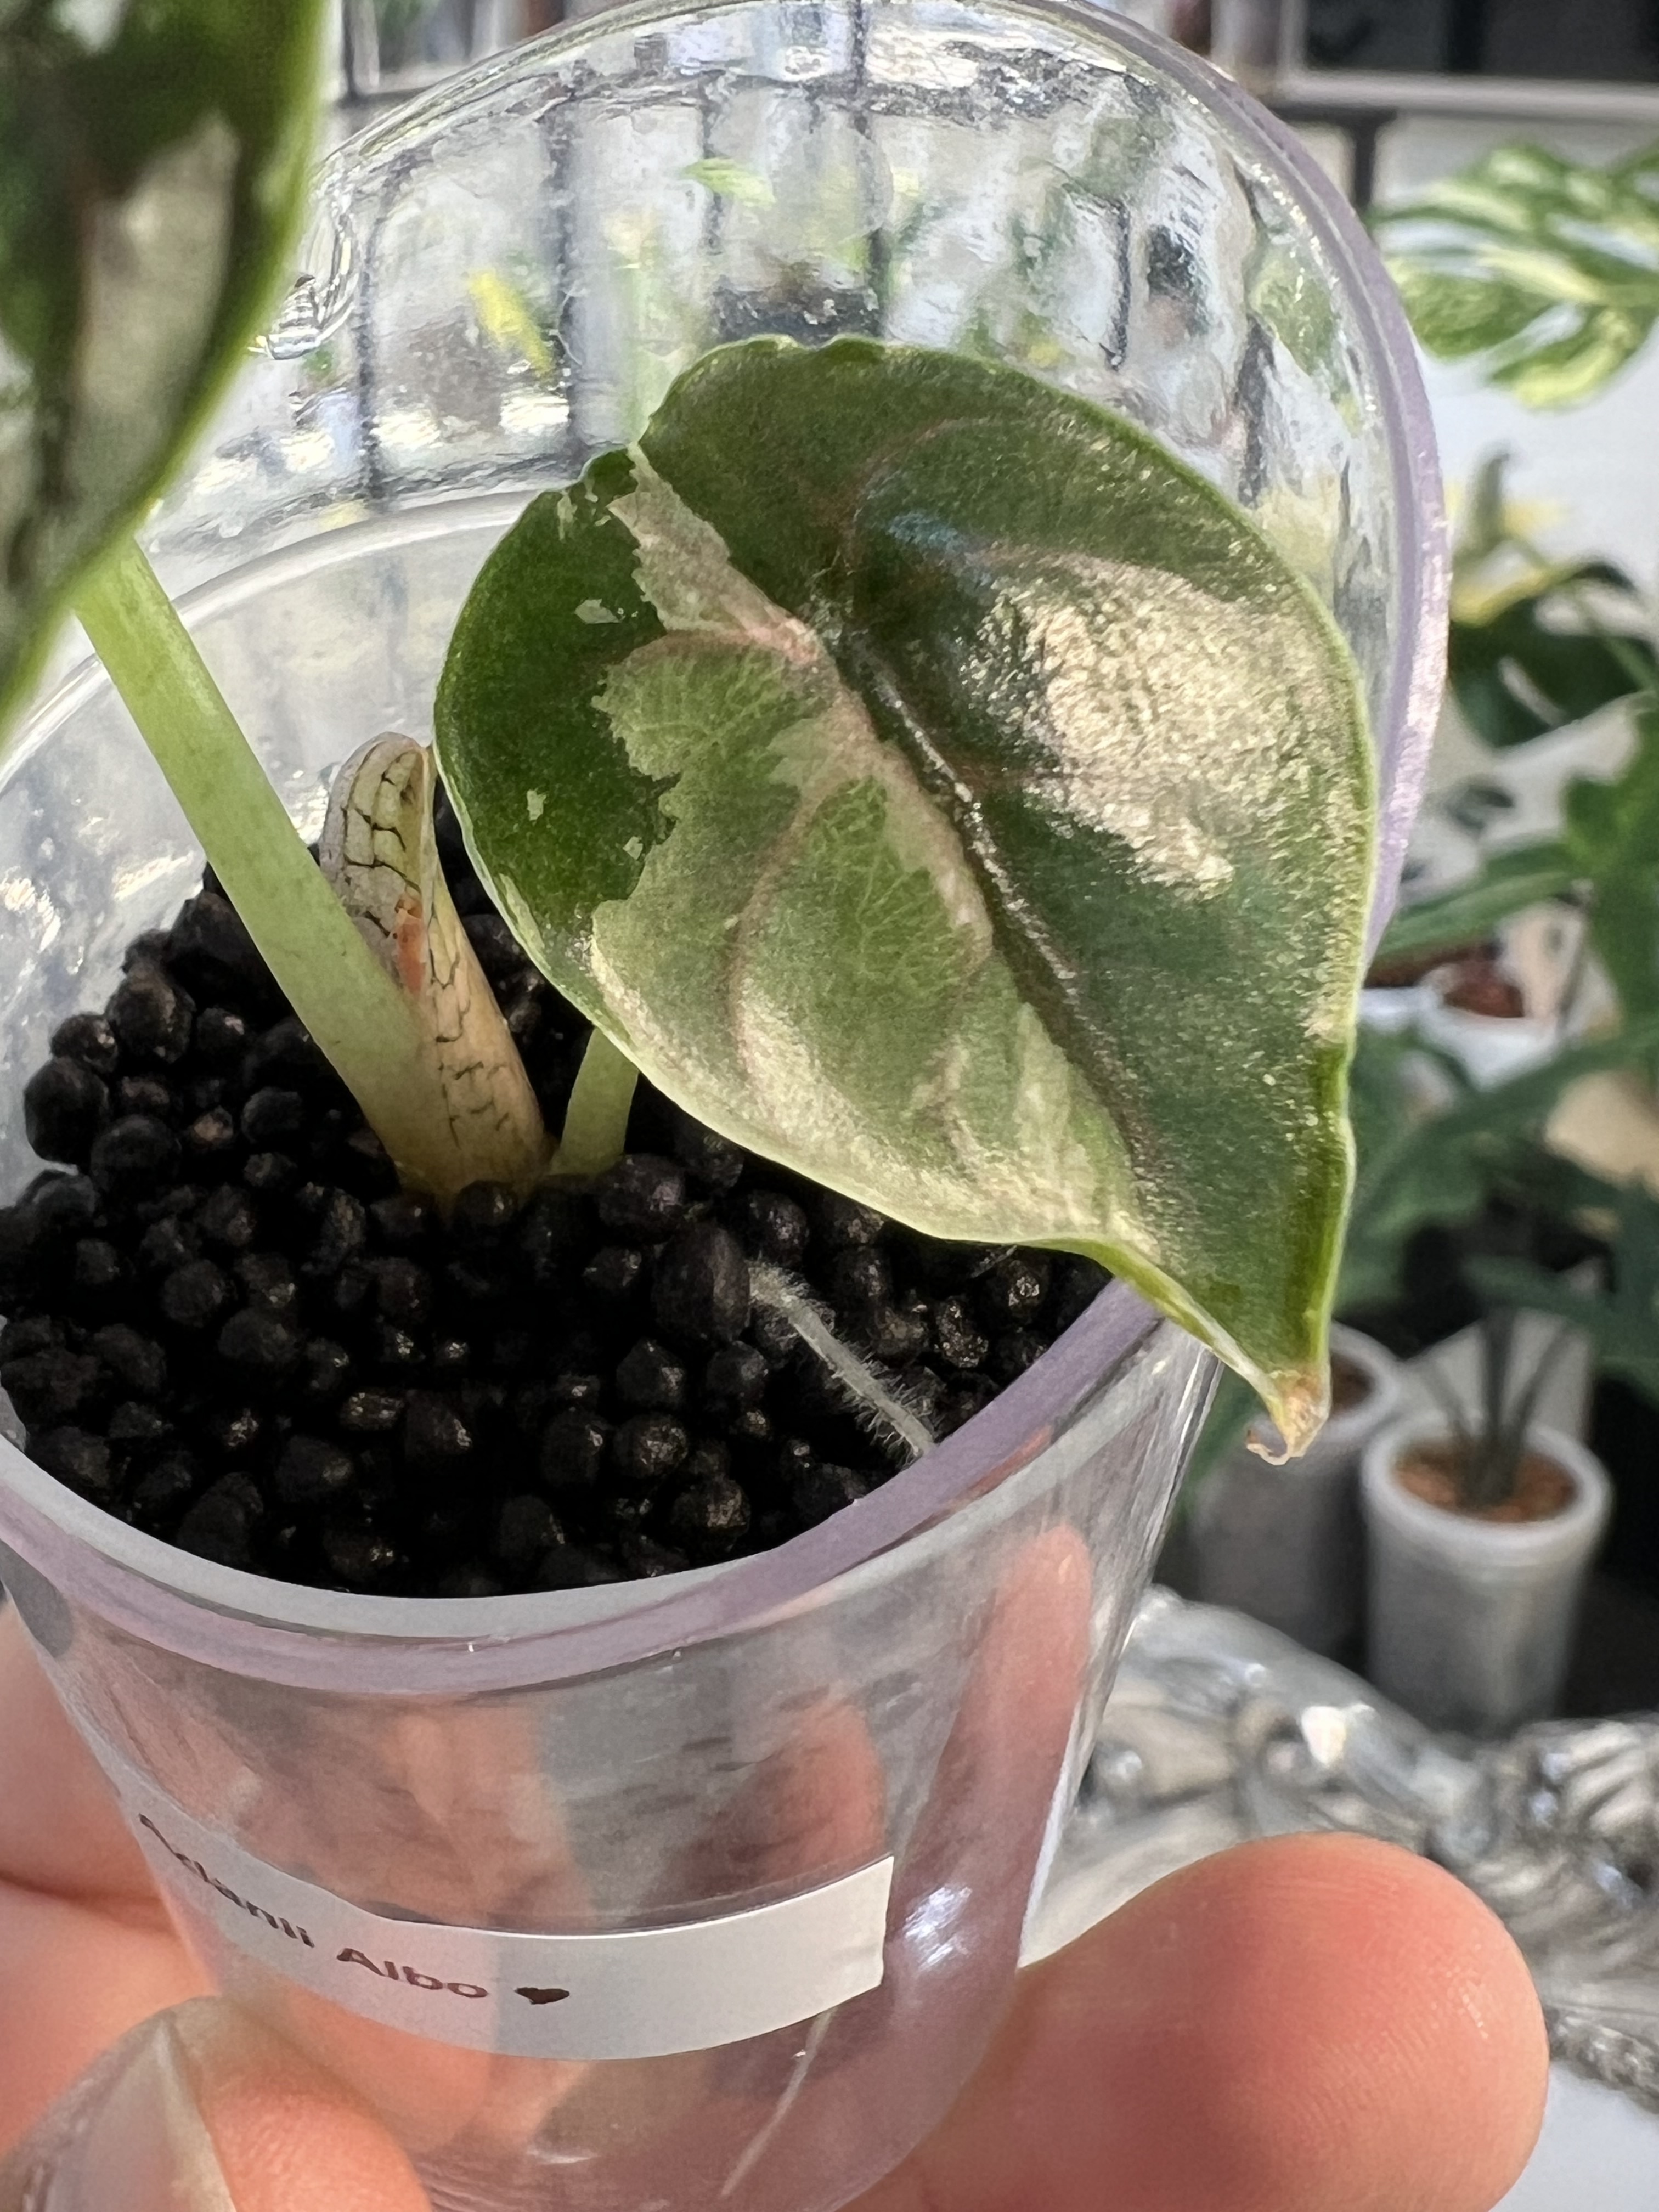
(507, 1865)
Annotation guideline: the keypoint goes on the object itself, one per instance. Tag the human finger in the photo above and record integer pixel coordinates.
(60, 1832)
(1313, 2024)
(451, 1815)
(202, 2110)
(872, 2074)
(86, 1947)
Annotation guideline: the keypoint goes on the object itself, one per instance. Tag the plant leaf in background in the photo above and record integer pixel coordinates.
(1536, 643)
(1424, 1164)
(1621, 1321)
(1611, 833)
(1416, 1167)
(1525, 876)
(152, 162)
(936, 788)
(1531, 666)
(1606, 856)
(1547, 268)
(1432, 1150)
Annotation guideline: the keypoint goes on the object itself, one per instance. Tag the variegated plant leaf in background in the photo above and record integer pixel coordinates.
(935, 786)
(1536, 641)
(1547, 268)
(152, 164)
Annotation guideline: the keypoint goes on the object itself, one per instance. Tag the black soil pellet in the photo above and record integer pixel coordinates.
(84, 1461)
(89, 1039)
(699, 1290)
(227, 1324)
(310, 1469)
(151, 1016)
(65, 1106)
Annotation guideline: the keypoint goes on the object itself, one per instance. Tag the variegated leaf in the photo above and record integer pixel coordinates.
(934, 786)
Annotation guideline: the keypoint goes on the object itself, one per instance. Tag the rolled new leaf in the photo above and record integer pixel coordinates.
(933, 785)
(379, 852)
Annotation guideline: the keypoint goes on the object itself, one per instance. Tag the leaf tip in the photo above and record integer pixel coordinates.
(1299, 1400)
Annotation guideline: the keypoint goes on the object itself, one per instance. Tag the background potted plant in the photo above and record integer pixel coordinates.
(1479, 1547)
(1480, 1529)
(1445, 1168)
(1464, 1219)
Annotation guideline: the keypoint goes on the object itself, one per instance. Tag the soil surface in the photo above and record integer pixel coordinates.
(1400, 974)
(1543, 1490)
(229, 1327)
(1479, 986)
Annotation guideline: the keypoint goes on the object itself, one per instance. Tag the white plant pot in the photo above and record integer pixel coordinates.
(1490, 1049)
(1284, 1543)
(1470, 1622)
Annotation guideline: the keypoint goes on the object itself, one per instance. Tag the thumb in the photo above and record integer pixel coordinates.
(202, 2110)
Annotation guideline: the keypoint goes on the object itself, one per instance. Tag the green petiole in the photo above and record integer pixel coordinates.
(596, 1120)
(336, 986)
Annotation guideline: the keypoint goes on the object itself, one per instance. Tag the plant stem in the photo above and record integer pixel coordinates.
(331, 978)
(596, 1120)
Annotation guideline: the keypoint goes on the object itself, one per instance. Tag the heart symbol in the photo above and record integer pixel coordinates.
(543, 1997)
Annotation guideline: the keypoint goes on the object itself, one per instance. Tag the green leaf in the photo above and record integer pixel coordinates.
(1507, 884)
(1424, 1165)
(1415, 1168)
(152, 165)
(1506, 671)
(1457, 314)
(1561, 371)
(958, 801)
(1621, 1320)
(1612, 831)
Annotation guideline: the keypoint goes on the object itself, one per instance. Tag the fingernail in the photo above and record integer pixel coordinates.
(127, 2137)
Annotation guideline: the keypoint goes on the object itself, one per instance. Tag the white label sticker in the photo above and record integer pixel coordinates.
(643, 1993)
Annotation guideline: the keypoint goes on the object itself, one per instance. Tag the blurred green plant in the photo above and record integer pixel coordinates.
(1545, 270)
(1535, 646)
(1536, 643)
(1605, 859)
(1623, 1320)
(1435, 1152)
(152, 174)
